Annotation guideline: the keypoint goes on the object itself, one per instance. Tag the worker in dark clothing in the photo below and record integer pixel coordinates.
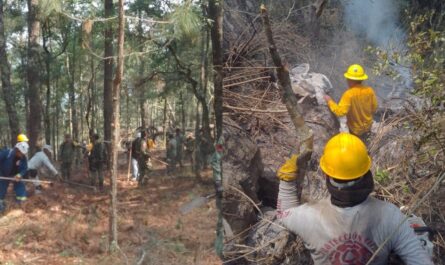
(179, 146)
(171, 154)
(190, 149)
(140, 156)
(66, 156)
(14, 165)
(97, 160)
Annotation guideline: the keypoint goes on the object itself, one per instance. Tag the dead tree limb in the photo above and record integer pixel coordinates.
(304, 133)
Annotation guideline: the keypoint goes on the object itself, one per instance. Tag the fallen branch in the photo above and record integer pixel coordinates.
(255, 110)
(247, 81)
(304, 133)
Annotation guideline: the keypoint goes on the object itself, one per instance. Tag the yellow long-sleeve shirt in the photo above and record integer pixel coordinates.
(359, 104)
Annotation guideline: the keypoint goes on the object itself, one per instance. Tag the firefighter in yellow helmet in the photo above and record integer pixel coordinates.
(349, 226)
(358, 103)
(22, 138)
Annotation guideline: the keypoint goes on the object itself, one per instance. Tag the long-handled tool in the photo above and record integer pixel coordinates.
(195, 203)
(29, 180)
(129, 164)
(160, 161)
(79, 184)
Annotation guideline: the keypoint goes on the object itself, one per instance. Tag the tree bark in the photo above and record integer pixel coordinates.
(183, 125)
(115, 128)
(72, 94)
(35, 104)
(304, 133)
(8, 92)
(215, 13)
(47, 118)
(164, 122)
(108, 72)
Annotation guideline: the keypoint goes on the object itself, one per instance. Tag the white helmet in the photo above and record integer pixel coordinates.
(23, 147)
(48, 147)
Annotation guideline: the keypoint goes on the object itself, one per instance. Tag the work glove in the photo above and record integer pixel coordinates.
(17, 178)
(288, 171)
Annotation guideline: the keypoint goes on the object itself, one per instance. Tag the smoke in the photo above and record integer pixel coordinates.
(376, 20)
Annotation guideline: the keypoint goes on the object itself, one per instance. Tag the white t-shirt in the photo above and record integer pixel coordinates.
(351, 235)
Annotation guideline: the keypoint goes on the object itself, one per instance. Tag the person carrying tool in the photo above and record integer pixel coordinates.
(140, 155)
(38, 161)
(66, 156)
(97, 160)
(13, 164)
(190, 149)
(350, 226)
(171, 154)
(358, 103)
(179, 146)
(135, 153)
(151, 146)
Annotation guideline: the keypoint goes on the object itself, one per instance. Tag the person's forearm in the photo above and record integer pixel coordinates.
(287, 195)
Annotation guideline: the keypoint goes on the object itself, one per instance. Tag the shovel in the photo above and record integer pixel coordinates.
(195, 203)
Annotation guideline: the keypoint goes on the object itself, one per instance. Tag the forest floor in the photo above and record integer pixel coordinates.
(68, 224)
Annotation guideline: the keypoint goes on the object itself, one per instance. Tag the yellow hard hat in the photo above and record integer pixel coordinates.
(89, 147)
(22, 138)
(345, 157)
(356, 72)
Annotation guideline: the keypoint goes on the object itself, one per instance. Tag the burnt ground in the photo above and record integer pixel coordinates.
(67, 224)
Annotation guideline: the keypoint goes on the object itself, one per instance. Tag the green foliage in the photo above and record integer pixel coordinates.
(187, 22)
(425, 57)
(382, 176)
(406, 189)
(47, 7)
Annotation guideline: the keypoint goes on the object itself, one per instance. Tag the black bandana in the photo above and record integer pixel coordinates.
(351, 195)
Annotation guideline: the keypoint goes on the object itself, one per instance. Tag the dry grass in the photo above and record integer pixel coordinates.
(68, 225)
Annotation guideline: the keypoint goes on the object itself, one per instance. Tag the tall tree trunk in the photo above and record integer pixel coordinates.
(108, 72)
(56, 120)
(72, 94)
(35, 104)
(196, 155)
(183, 125)
(115, 129)
(8, 92)
(141, 87)
(142, 112)
(215, 14)
(95, 115)
(47, 118)
(127, 103)
(304, 133)
(164, 122)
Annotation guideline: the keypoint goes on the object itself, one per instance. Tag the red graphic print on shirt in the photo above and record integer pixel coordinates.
(349, 249)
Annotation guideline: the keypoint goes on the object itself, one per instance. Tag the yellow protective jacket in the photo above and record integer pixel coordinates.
(359, 104)
(150, 144)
